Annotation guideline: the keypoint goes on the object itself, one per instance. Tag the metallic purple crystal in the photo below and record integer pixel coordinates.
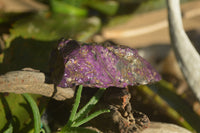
(103, 66)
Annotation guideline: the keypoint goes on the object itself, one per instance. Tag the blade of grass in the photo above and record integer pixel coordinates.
(36, 112)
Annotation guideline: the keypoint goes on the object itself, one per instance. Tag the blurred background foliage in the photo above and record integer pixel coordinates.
(30, 30)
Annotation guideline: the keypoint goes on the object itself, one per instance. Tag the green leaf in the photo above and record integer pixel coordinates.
(67, 8)
(32, 39)
(36, 112)
(106, 7)
(75, 107)
(10, 129)
(14, 110)
(91, 116)
(49, 27)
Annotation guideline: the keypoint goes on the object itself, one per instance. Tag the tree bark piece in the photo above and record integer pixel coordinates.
(32, 81)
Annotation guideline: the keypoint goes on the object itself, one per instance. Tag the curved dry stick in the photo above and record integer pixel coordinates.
(32, 82)
(187, 56)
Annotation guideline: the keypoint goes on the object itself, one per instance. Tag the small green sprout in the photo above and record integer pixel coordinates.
(76, 119)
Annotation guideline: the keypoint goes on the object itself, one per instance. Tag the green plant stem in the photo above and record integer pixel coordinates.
(93, 115)
(77, 119)
(86, 109)
(36, 112)
(74, 109)
(76, 104)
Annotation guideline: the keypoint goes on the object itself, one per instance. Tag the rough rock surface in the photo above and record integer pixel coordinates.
(103, 65)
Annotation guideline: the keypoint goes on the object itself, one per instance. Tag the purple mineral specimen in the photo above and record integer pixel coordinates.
(103, 65)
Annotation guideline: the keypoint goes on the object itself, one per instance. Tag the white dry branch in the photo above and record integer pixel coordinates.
(187, 56)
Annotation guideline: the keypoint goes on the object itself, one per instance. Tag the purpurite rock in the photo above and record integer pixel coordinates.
(101, 65)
